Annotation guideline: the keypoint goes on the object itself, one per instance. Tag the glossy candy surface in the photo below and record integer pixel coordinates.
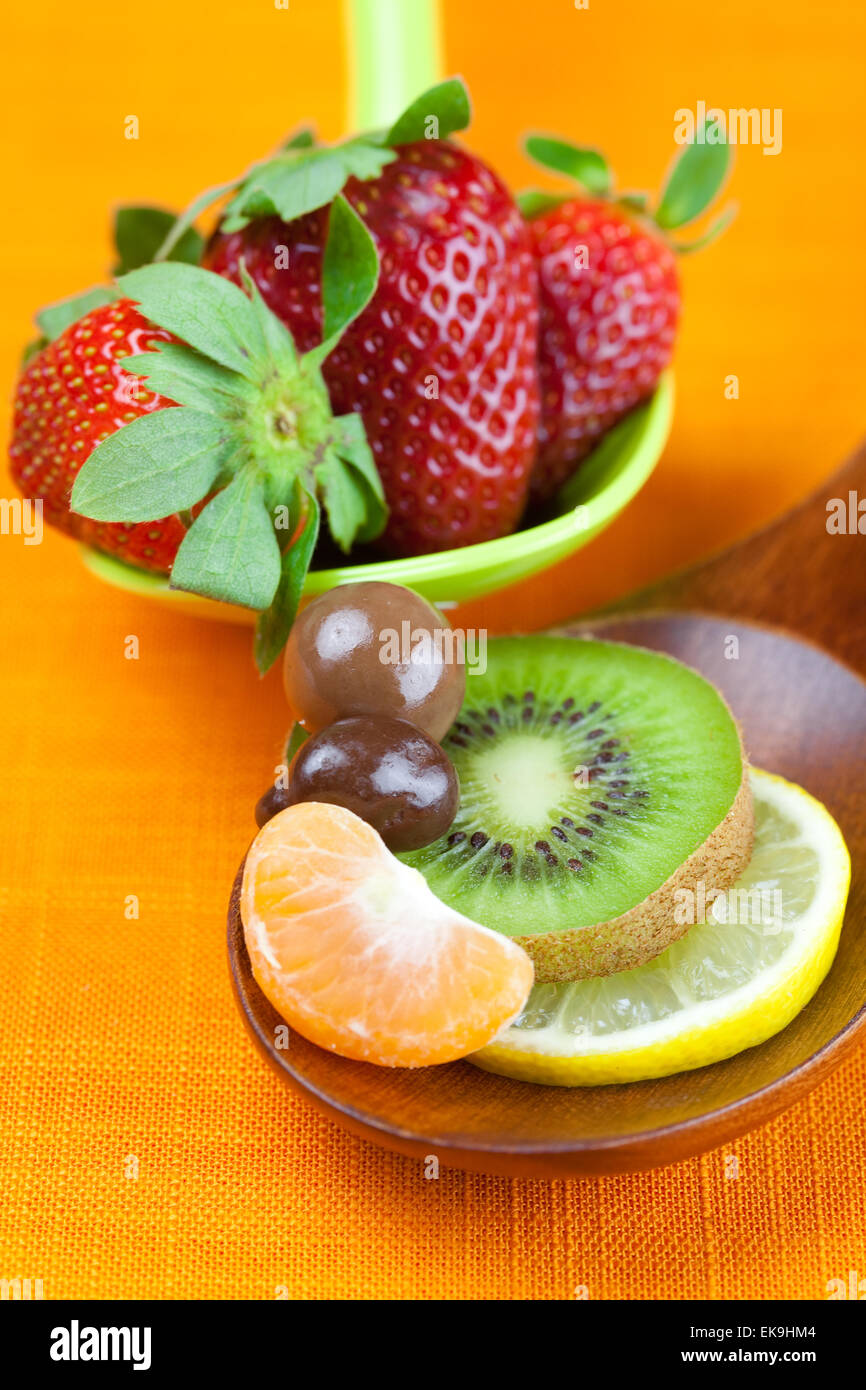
(384, 770)
(373, 648)
(274, 800)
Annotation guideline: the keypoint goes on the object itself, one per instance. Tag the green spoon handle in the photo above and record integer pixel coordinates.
(394, 54)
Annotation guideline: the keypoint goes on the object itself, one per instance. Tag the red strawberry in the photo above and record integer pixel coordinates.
(609, 294)
(238, 466)
(610, 301)
(441, 364)
(72, 395)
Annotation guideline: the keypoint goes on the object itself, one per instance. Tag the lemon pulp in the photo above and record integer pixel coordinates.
(731, 982)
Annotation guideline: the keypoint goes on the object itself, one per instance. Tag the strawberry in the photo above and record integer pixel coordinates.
(71, 396)
(74, 392)
(229, 442)
(217, 471)
(608, 326)
(441, 365)
(609, 296)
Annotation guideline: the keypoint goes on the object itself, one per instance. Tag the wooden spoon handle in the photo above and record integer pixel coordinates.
(798, 573)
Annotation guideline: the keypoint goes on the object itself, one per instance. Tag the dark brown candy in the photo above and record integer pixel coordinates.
(387, 771)
(373, 648)
(274, 800)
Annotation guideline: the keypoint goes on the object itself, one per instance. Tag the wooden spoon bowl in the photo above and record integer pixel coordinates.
(803, 715)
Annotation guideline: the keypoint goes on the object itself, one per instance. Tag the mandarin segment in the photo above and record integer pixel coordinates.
(353, 949)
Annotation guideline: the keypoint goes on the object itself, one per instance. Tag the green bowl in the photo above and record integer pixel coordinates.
(609, 478)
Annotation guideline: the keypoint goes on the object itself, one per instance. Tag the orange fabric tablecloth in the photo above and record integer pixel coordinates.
(145, 1151)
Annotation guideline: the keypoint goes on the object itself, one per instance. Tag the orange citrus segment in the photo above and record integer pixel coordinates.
(353, 949)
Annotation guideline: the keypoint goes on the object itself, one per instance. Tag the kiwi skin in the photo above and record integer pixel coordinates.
(650, 927)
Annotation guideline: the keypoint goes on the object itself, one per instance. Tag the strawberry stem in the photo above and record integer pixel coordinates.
(394, 52)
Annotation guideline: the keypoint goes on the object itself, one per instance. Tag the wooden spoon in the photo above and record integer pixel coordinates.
(804, 715)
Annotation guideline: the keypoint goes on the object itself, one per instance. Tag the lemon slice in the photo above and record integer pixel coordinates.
(732, 981)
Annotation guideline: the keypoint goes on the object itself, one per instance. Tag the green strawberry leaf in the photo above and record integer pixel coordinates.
(303, 176)
(279, 343)
(353, 448)
(587, 166)
(188, 378)
(139, 232)
(350, 486)
(302, 139)
(32, 350)
(288, 186)
(685, 248)
(363, 157)
(230, 552)
(534, 203)
(154, 466)
(188, 216)
(274, 625)
(56, 318)
(376, 512)
(299, 181)
(297, 738)
(209, 312)
(693, 182)
(637, 202)
(345, 498)
(350, 270)
(435, 115)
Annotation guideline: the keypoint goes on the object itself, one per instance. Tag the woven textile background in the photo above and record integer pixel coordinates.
(145, 1150)
(120, 1039)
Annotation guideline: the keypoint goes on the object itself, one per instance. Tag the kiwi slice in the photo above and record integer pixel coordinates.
(596, 780)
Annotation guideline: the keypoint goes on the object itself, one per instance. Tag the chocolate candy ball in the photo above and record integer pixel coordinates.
(373, 649)
(387, 771)
(275, 799)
